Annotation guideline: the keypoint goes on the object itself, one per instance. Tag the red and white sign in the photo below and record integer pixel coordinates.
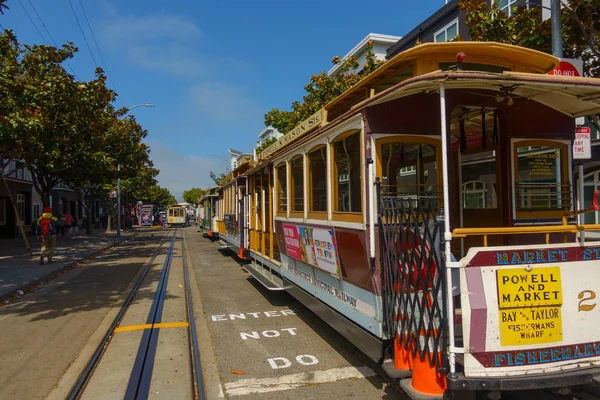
(568, 67)
(582, 146)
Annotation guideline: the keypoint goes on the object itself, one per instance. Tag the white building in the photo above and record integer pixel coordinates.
(269, 133)
(237, 158)
(381, 44)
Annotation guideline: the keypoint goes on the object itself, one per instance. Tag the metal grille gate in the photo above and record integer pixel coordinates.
(413, 275)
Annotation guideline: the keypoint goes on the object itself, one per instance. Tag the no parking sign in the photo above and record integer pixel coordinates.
(582, 148)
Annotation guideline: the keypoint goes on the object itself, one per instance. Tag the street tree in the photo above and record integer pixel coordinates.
(525, 27)
(159, 197)
(3, 6)
(192, 195)
(217, 178)
(322, 89)
(118, 143)
(48, 118)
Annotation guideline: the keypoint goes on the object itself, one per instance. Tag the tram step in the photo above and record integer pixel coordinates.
(393, 372)
(267, 279)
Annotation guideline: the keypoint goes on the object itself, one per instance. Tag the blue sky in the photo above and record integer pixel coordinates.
(212, 68)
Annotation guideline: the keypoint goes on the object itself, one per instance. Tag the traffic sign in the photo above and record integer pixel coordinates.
(582, 147)
(113, 194)
(568, 67)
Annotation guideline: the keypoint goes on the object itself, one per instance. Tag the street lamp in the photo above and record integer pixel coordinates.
(119, 174)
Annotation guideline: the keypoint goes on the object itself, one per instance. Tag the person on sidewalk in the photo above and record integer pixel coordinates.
(46, 232)
(60, 225)
(69, 220)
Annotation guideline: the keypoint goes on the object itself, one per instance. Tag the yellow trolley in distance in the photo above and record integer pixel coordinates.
(176, 215)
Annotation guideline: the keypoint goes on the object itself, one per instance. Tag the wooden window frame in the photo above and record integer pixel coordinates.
(279, 212)
(565, 176)
(321, 215)
(344, 216)
(291, 212)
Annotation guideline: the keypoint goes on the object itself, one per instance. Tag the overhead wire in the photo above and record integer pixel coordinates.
(49, 34)
(99, 52)
(83, 34)
(33, 23)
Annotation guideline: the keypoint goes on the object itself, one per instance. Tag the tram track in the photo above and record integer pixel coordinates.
(141, 375)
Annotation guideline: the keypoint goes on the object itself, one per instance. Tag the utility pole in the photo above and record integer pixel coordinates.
(555, 20)
(119, 200)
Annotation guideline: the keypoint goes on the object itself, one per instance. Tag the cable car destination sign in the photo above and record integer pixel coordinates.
(308, 125)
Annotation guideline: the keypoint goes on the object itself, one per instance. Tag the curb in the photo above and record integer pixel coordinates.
(29, 287)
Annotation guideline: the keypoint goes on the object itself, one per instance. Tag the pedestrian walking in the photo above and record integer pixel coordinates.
(46, 232)
(60, 225)
(69, 222)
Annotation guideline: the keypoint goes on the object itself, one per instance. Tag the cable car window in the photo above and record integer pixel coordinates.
(282, 188)
(541, 178)
(297, 175)
(347, 174)
(409, 169)
(479, 180)
(317, 161)
(258, 191)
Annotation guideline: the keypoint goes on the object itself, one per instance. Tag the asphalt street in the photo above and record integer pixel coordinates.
(266, 345)
(43, 333)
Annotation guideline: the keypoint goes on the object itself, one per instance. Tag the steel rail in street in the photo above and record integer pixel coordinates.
(84, 377)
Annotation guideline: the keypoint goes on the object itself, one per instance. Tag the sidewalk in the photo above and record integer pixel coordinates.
(19, 270)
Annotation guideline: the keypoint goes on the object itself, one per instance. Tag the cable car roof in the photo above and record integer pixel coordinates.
(573, 96)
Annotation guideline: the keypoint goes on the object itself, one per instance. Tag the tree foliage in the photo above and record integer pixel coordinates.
(192, 195)
(48, 119)
(264, 144)
(158, 196)
(217, 178)
(580, 28)
(322, 89)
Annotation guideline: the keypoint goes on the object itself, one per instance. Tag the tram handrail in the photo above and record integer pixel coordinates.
(523, 230)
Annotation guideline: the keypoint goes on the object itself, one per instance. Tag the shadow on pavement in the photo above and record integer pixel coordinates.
(100, 284)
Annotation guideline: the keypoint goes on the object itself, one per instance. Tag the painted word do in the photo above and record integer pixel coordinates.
(282, 362)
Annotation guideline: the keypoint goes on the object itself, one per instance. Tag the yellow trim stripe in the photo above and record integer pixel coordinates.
(151, 326)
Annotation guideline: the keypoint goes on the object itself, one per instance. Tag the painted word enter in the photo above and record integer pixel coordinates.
(269, 314)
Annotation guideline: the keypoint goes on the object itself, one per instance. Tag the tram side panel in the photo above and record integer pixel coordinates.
(331, 265)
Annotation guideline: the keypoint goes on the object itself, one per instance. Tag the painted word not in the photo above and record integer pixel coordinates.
(269, 314)
(282, 362)
(272, 333)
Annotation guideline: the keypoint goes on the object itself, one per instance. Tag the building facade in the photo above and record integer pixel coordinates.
(380, 45)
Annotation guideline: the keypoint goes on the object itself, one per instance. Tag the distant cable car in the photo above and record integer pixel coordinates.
(176, 215)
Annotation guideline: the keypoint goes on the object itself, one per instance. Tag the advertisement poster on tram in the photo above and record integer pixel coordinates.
(314, 246)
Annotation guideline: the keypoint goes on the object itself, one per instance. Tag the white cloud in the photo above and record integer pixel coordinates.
(149, 28)
(161, 41)
(172, 57)
(179, 172)
(224, 101)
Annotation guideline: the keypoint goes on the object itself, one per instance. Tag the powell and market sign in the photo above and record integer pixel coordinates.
(309, 124)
